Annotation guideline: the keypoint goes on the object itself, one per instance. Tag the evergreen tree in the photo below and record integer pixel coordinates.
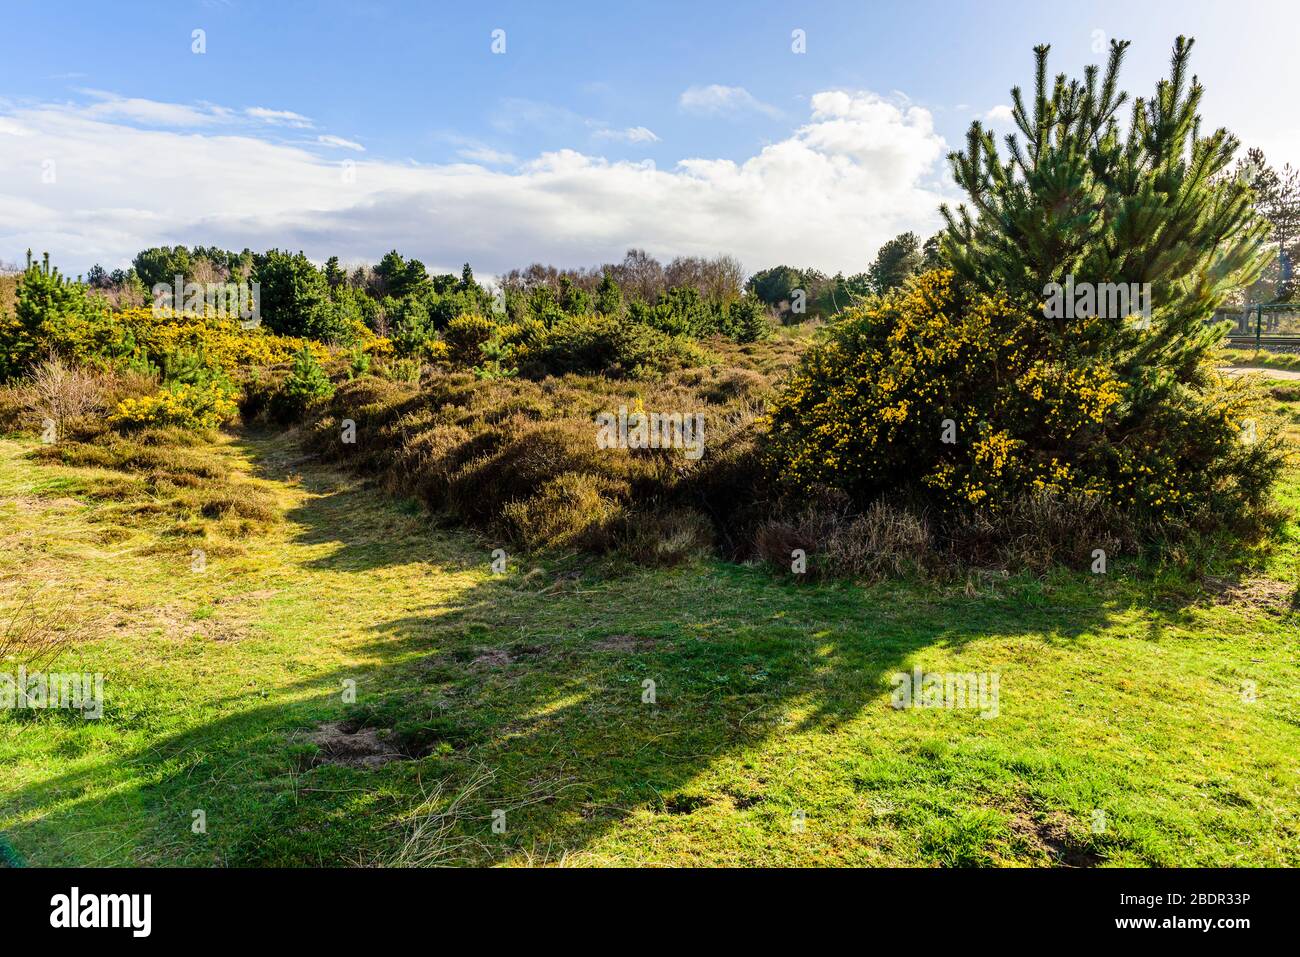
(609, 297)
(896, 262)
(334, 275)
(573, 299)
(1080, 198)
(390, 275)
(296, 299)
(54, 313)
(1277, 197)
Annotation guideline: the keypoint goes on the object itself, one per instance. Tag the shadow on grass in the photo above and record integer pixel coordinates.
(524, 693)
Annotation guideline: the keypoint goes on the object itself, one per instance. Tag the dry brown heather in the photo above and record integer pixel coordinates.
(520, 457)
(8, 293)
(173, 480)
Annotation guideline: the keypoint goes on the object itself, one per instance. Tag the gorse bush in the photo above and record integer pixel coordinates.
(957, 398)
(971, 393)
(63, 317)
(203, 405)
(465, 335)
(222, 340)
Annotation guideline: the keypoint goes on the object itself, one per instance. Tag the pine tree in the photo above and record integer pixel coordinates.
(51, 312)
(609, 297)
(1080, 198)
(334, 274)
(1277, 197)
(897, 260)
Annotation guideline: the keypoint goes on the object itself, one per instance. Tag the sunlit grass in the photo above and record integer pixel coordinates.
(1124, 732)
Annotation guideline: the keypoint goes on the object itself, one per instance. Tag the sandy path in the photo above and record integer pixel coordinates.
(1270, 373)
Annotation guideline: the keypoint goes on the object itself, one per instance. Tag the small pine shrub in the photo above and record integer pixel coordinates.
(359, 362)
(54, 314)
(746, 320)
(305, 385)
(401, 370)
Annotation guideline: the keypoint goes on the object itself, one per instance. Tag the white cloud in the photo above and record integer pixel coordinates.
(341, 143)
(151, 112)
(1000, 114)
(859, 171)
(278, 117)
(633, 134)
(479, 153)
(716, 100)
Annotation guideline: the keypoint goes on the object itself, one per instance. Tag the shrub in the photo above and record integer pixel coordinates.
(882, 541)
(573, 510)
(957, 399)
(603, 344)
(203, 406)
(58, 391)
(359, 362)
(980, 392)
(520, 457)
(746, 320)
(465, 336)
(54, 314)
(306, 384)
(149, 336)
(257, 395)
(412, 327)
(666, 538)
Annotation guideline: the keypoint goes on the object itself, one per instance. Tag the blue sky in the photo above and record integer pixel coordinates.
(568, 147)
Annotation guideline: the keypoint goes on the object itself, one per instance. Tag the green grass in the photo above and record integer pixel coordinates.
(1263, 358)
(523, 692)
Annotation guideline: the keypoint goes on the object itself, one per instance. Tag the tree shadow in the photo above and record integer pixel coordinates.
(579, 699)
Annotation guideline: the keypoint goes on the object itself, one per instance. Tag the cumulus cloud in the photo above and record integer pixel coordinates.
(716, 100)
(96, 188)
(1000, 114)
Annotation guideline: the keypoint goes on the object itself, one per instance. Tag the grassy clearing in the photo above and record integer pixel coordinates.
(1262, 358)
(522, 693)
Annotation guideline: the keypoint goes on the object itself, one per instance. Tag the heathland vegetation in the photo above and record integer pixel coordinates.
(942, 417)
(929, 430)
